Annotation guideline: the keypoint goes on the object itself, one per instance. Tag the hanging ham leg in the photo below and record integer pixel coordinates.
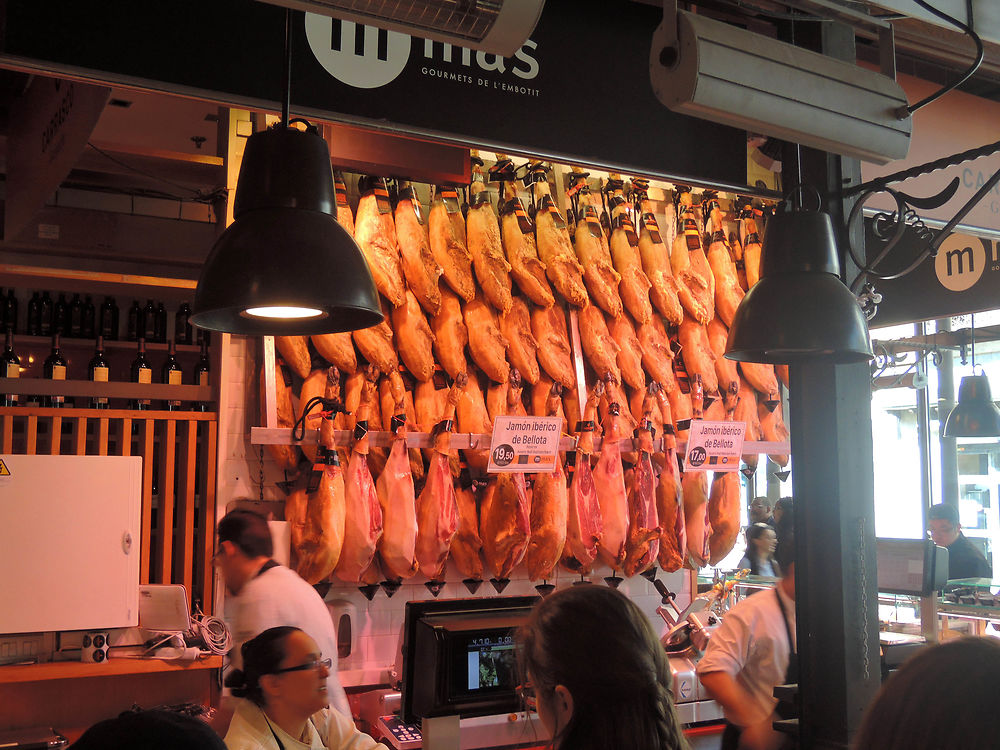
(505, 523)
(376, 345)
(447, 242)
(761, 378)
(657, 359)
(474, 418)
(694, 488)
(397, 548)
(584, 524)
(414, 338)
(450, 333)
(338, 350)
(420, 268)
(515, 327)
(466, 545)
(363, 527)
(519, 244)
(599, 347)
(295, 351)
(746, 411)
(549, 510)
(728, 292)
(375, 232)
(634, 286)
(437, 508)
(344, 214)
(695, 283)
(724, 511)
(609, 477)
(750, 238)
(772, 426)
(555, 250)
(485, 246)
(312, 387)
(629, 352)
(643, 543)
(656, 264)
(554, 354)
(699, 359)
(725, 369)
(322, 539)
(669, 501)
(594, 254)
(486, 344)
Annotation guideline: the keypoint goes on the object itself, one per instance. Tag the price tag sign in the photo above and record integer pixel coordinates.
(524, 444)
(714, 446)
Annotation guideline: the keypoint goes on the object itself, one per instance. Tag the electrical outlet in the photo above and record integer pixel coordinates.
(22, 647)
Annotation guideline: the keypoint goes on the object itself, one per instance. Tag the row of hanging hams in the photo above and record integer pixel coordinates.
(475, 327)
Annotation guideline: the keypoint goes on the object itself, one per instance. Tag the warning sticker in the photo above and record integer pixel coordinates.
(4, 471)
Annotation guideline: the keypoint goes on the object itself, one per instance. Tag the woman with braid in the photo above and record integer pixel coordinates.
(592, 666)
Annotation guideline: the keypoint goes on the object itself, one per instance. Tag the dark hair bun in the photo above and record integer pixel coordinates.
(237, 682)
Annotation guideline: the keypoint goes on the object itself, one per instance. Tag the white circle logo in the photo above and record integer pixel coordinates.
(960, 261)
(364, 57)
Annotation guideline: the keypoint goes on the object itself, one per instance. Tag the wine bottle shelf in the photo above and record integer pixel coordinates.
(24, 340)
(74, 388)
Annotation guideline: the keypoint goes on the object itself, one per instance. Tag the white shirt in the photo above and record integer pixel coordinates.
(251, 730)
(278, 596)
(751, 645)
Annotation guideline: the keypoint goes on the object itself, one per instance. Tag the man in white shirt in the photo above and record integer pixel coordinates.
(264, 594)
(750, 653)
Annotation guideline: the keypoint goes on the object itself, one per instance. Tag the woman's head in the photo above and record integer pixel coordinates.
(944, 696)
(761, 540)
(600, 676)
(282, 665)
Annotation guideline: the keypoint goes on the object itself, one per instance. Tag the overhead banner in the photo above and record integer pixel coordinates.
(577, 90)
(964, 277)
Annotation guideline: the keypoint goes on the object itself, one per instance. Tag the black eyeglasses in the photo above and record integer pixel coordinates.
(316, 665)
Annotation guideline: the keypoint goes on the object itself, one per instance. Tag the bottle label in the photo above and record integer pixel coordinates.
(202, 378)
(100, 374)
(145, 375)
(101, 399)
(13, 370)
(58, 372)
(174, 377)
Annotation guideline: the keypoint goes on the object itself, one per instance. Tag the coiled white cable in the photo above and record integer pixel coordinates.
(213, 632)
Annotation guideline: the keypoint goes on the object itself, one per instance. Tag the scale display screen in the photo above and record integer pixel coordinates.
(459, 657)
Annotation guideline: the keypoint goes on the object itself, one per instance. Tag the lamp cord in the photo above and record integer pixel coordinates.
(286, 100)
(907, 111)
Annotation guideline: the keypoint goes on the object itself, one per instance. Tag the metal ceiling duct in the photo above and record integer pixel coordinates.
(498, 27)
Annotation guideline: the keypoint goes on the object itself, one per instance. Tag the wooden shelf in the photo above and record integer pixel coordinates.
(25, 340)
(134, 414)
(71, 670)
(79, 388)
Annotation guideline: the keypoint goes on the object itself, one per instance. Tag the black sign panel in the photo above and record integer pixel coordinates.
(578, 90)
(964, 277)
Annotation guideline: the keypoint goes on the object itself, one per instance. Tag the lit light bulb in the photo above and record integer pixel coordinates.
(281, 311)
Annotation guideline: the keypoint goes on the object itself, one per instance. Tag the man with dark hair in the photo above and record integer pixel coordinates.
(964, 560)
(264, 594)
(751, 652)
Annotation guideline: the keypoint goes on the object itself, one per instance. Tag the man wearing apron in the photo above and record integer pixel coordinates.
(751, 652)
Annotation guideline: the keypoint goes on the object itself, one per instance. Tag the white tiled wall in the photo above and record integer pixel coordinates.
(378, 622)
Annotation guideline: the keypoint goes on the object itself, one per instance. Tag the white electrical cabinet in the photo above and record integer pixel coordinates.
(69, 542)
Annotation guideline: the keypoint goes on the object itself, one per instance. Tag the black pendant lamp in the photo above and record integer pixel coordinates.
(975, 414)
(799, 310)
(285, 266)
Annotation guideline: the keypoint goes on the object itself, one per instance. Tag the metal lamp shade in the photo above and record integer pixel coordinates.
(285, 247)
(800, 310)
(975, 414)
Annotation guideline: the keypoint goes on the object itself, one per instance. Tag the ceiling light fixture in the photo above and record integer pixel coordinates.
(285, 266)
(800, 310)
(975, 414)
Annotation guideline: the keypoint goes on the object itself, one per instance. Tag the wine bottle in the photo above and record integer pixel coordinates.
(46, 315)
(202, 368)
(171, 374)
(140, 372)
(11, 367)
(35, 315)
(99, 372)
(182, 324)
(88, 324)
(149, 321)
(161, 322)
(75, 317)
(107, 322)
(55, 369)
(60, 316)
(136, 322)
(10, 310)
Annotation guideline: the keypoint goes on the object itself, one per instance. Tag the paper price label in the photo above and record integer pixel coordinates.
(714, 446)
(524, 444)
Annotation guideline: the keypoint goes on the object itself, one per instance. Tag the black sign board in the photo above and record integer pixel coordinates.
(578, 90)
(963, 278)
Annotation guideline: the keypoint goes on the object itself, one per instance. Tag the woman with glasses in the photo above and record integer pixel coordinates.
(283, 702)
(592, 666)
